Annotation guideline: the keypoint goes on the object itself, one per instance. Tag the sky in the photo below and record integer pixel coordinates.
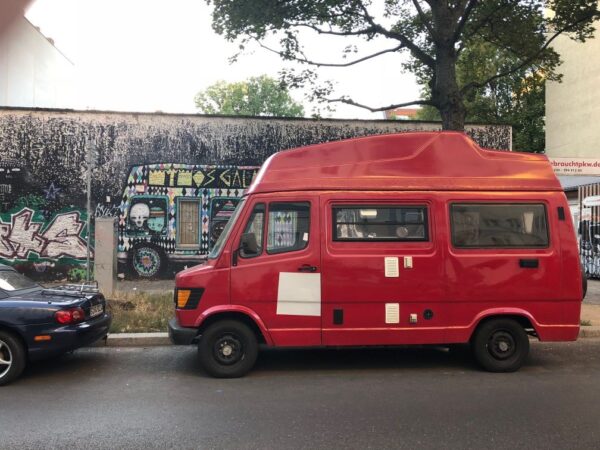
(155, 55)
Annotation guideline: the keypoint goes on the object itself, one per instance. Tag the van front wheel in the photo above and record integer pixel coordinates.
(501, 345)
(228, 349)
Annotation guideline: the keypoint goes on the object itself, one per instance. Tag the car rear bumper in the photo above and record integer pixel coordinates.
(181, 335)
(66, 338)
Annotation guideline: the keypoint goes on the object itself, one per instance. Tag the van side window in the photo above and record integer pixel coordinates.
(255, 226)
(289, 225)
(499, 225)
(380, 223)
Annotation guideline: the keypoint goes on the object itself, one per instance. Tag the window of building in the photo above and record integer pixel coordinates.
(380, 223)
(499, 225)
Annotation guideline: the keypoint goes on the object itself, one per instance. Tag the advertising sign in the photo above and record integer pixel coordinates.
(575, 166)
(591, 201)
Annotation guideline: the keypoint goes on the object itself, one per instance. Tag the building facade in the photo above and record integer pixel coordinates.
(33, 72)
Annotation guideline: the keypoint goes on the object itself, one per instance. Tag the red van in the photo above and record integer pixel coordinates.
(418, 238)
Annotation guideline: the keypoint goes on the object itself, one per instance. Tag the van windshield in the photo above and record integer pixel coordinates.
(216, 250)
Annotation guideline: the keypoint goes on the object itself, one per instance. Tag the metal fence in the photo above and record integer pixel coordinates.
(588, 229)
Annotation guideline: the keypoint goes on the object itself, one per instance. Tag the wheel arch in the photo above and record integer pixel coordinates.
(522, 317)
(16, 332)
(241, 314)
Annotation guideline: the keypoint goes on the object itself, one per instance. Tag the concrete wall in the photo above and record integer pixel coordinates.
(33, 73)
(42, 166)
(573, 106)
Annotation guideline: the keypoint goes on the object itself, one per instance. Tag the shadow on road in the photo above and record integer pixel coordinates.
(177, 361)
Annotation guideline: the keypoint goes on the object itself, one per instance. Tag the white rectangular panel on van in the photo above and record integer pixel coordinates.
(299, 294)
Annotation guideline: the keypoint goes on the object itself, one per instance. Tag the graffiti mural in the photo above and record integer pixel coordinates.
(61, 238)
(176, 212)
(172, 180)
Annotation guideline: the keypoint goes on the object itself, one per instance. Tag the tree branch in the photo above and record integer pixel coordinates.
(463, 20)
(321, 64)
(424, 19)
(404, 40)
(348, 101)
(369, 30)
(526, 62)
(480, 25)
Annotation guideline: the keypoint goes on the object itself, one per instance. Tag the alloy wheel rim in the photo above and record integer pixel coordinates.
(6, 359)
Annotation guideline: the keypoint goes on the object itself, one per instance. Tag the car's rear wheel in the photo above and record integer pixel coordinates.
(12, 357)
(501, 345)
(228, 349)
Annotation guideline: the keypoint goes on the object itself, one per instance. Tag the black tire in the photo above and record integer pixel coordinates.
(500, 345)
(12, 351)
(147, 261)
(228, 349)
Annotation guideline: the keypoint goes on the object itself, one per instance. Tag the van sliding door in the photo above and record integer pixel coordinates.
(382, 269)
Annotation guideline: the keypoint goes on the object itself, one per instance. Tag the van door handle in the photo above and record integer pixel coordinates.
(529, 263)
(307, 268)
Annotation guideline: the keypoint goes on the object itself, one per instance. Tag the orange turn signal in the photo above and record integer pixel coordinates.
(183, 295)
(42, 337)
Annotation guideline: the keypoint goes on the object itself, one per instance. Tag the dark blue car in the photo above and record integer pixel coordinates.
(38, 323)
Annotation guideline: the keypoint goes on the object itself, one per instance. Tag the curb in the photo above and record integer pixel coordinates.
(135, 340)
(161, 339)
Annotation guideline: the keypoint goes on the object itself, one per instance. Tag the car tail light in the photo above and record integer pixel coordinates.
(69, 316)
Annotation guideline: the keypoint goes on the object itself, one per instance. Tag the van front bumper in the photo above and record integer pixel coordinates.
(181, 335)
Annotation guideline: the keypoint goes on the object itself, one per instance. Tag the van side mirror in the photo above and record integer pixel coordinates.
(248, 244)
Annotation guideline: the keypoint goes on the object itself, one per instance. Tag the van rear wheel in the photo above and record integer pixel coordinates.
(501, 345)
(228, 349)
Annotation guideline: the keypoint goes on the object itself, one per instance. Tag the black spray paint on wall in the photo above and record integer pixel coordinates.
(43, 164)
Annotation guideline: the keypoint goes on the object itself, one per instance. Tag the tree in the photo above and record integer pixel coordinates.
(436, 33)
(517, 99)
(257, 96)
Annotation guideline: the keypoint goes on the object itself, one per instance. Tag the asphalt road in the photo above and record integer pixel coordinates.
(382, 398)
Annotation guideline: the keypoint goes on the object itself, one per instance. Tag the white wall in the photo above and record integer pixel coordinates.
(33, 73)
(573, 106)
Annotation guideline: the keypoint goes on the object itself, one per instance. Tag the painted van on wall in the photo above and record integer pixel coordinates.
(176, 212)
(421, 238)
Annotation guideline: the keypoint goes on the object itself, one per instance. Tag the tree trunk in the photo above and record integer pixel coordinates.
(446, 94)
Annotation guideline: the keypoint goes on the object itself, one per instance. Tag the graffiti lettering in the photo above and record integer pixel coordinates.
(61, 238)
(107, 211)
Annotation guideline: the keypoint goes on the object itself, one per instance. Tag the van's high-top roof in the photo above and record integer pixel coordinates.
(406, 161)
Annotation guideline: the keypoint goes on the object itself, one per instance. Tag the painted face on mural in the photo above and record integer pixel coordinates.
(140, 212)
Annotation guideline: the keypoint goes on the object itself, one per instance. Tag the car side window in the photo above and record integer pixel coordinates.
(288, 227)
(255, 227)
(380, 223)
(499, 226)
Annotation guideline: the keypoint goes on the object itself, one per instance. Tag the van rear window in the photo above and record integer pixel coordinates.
(380, 223)
(499, 226)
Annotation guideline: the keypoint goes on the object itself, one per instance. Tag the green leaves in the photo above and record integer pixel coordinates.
(257, 96)
(438, 35)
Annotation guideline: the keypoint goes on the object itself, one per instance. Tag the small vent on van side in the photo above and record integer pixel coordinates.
(338, 316)
(561, 213)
